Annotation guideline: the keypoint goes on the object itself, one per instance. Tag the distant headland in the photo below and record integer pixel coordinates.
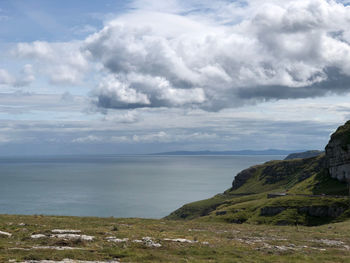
(238, 152)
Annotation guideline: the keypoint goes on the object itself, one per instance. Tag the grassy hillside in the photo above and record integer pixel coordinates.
(247, 200)
(307, 154)
(199, 241)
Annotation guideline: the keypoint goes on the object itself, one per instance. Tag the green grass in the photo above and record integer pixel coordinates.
(226, 242)
(249, 211)
(320, 183)
(297, 176)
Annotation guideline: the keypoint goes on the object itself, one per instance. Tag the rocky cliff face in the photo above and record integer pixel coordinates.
(243, 176)
(338, 154)
(262, 177)
(317, 210)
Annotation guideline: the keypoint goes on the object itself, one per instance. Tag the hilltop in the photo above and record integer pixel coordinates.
(302, 155)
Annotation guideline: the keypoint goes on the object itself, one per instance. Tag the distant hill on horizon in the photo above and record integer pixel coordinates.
(240, 152)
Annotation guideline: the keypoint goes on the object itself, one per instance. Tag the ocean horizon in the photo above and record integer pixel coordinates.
(147, 186)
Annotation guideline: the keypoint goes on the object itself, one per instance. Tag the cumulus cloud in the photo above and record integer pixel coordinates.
(203, 54)
(26, 77)
(138, 91)
(64, 63)
(277, 49)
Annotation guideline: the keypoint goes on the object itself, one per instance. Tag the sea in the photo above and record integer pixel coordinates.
(148, 186)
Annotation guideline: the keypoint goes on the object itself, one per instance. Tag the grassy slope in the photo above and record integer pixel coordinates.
(298, 176)
(226, 242)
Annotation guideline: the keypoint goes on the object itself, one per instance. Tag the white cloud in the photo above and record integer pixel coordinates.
(83, 29)
(6, 78)
(167, 137)
(204, 54)
(87, 139)
(118, 117)
(137, 91)
(25, 78)
(279, 49)
(148, 137)
(64, 63)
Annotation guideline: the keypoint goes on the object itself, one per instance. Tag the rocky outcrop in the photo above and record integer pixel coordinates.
(316, 210)
(271, 210)
(276, 172)
(322, 211)
(338, 154)
(242, 177)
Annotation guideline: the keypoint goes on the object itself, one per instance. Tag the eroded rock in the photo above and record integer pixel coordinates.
(180, 240)
(117, 240)
(147, 241)
(65, 231)
(2, 233)
(73, 237)
(338, 153)
(37, 236)
(67, 261)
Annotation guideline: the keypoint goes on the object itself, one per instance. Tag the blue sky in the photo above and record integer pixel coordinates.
(32, 20)
(147, 76)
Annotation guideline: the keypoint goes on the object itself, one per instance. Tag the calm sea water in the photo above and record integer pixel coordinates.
(120, 186)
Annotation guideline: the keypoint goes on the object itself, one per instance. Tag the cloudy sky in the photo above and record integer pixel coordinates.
(144, 76)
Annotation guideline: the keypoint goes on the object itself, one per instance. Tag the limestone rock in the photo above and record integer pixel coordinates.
(2, 233)
(65, 231)
(338, 153)
(242, 177)
(271, 210)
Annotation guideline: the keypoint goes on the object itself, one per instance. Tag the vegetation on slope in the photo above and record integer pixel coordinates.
(298, 178)
(307, 154)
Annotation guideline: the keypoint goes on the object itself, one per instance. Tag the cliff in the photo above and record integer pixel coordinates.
(307, 191)
(338, 153)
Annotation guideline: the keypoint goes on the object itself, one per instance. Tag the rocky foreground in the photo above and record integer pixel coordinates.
(86, 240)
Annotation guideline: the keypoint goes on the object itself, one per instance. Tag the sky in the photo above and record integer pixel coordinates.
(146, 76)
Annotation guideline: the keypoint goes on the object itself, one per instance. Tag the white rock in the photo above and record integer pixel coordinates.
(330, 242)
(150, 243)
(73, 237)
(56, 248)
(67, 261)
(37, 236)
(65, 231)
(117, 240)
(180, 240)
(45, 247)
(2, 233)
